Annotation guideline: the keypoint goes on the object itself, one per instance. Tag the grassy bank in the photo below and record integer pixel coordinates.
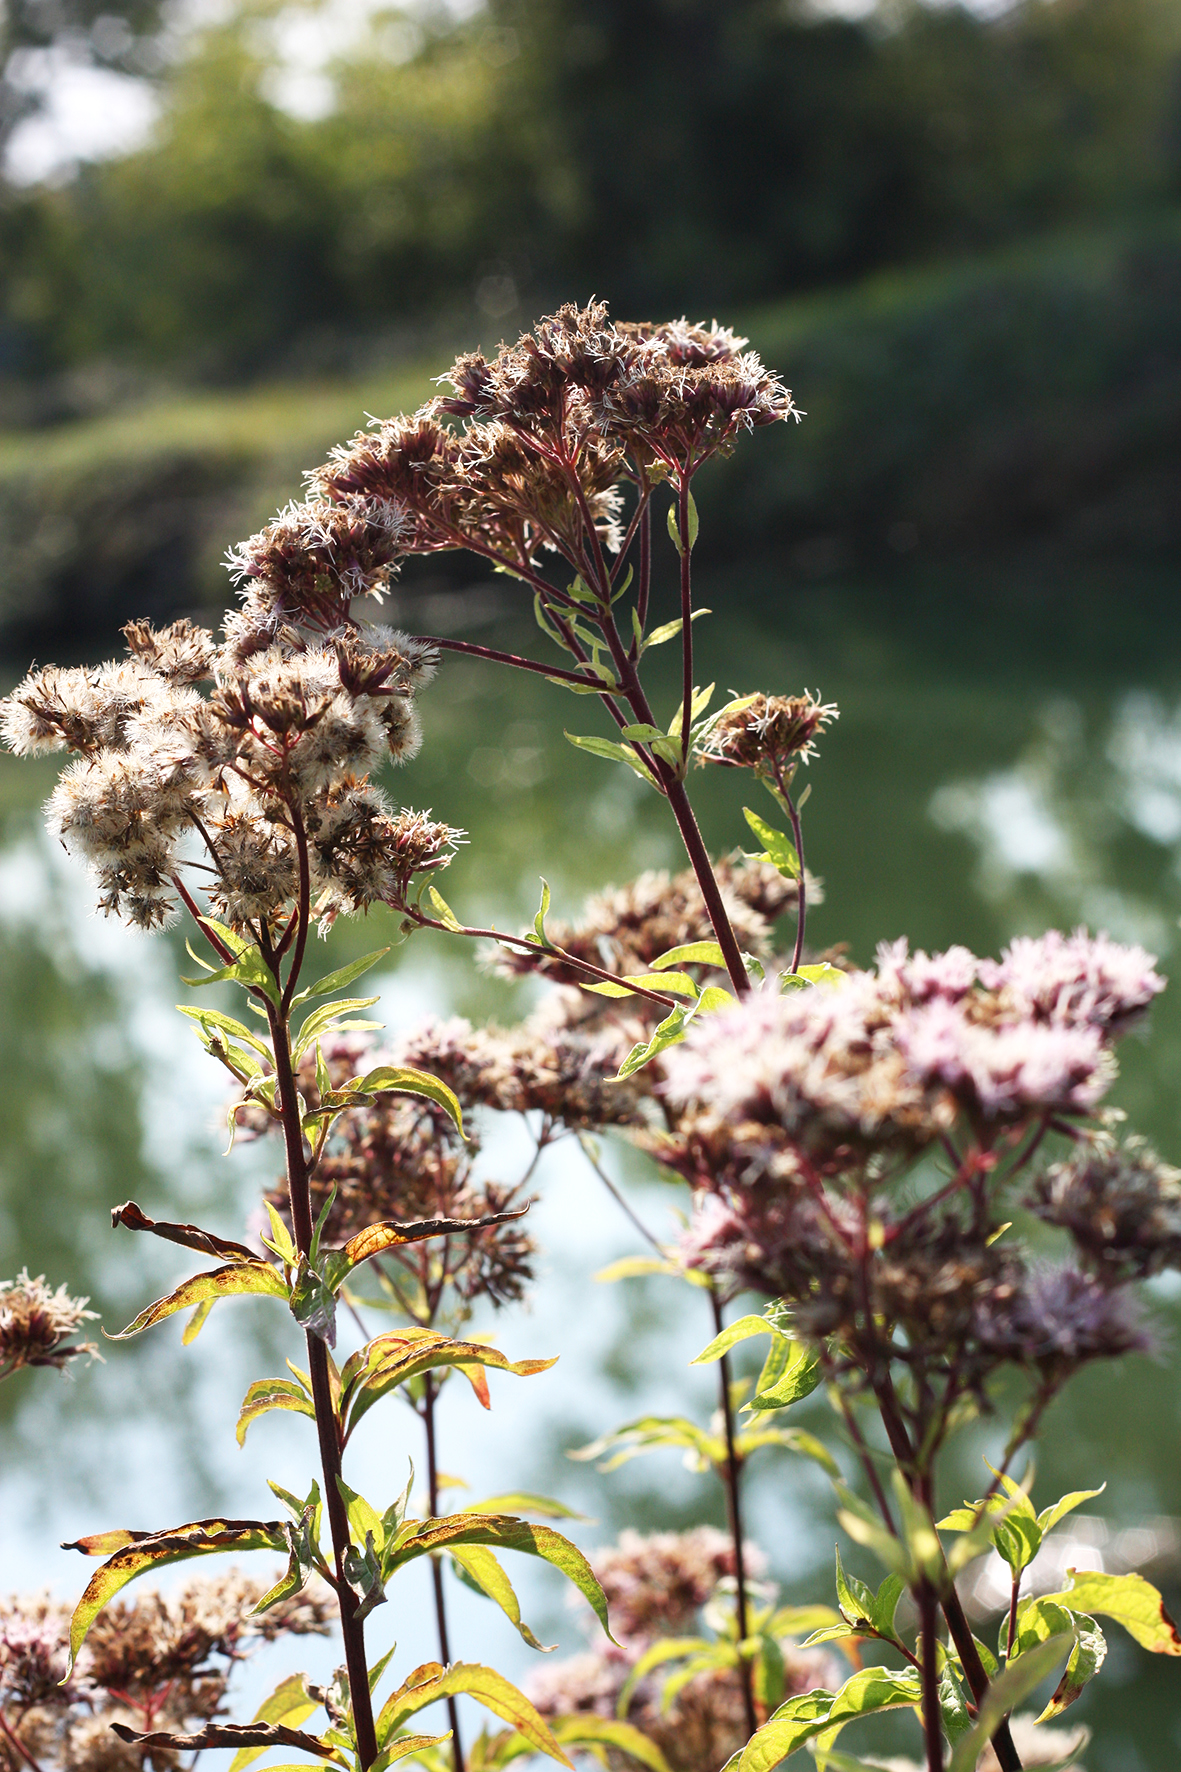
(1026, 402)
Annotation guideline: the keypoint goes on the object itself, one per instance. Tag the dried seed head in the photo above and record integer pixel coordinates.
(35, 1323)
(1121, 1205)
(767, 733)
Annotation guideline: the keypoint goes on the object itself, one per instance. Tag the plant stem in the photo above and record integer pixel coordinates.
(327, 1430)
(802, 899)
(932, 1716)
(432, 1466)
(683, 507)
(611, 1188)
(682, 811)
(961, 1635)
(732, 1479)
(1011, 1643)
(512, 658)
(17, 1743)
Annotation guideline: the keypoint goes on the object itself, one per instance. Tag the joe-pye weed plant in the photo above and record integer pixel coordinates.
(860, 1147)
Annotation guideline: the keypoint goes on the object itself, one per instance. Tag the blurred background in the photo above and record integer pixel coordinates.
(230, 232)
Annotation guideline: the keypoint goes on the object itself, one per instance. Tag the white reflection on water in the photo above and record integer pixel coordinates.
(1053, 818)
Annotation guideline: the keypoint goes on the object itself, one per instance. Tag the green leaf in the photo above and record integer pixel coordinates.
(799, 1621)
(863, 1527)
(768, 1673)
(854, 1598)
(700, 953)
(406, 1080)
(266, 1394)
(587, 1730)
(1086, 1658)
(700, 701)
(365, 1523)
(792, 1439)
(524, 1503)
(653, 1433)
(196, 1322)
(443, 910)
(313, 1302)
(677, 984)
(1004, 1694)
(483, 1572)
(670, 630)
(613, 753)
(142, 1551)
(403, 1747)
(422, 1537)
(791, 1371)
(779, 848)
(1050, 1516)
(670, 1031)
(250, 970)
(658, 1654)
(280, 1238)
(392, 1359)
(236, 1280)
(952, 1705)
(713, 998)
(320, 1020)
(1130, 1600)
(344, 975)
(289, 1704)
(866, 1693)
(741, 1330)
(212, 1019)
(431, 1682)
(634, 1267)
(542, 913)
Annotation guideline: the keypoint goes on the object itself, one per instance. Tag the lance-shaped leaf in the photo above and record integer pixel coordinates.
(1086, 1658)
(658, 1654)
(867, 1693)
(289, 1704)
(266, 1394)
(249, 970)
(326, 1016)
(587, 1730)
(200, 1538)
(479, 1569)
(731, 1335)
(1130, 1600)
(1007, 1691)
(189, 1236)
(696, 953)
(402, 1354)
(524, 1503)
(238, 1280)
(653, 1433)
(431, 1682)
(402, 1747)
(419, 1538)
(212, 1022)
(375, 1239)
(259, 1735)
(1050, 1516)
(344, 975)
(792, 1439)
(790, 1372)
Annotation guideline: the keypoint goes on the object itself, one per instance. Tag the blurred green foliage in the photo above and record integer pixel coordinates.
(666, 153)
(1026, 403)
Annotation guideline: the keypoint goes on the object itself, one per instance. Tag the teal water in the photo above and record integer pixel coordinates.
(981, 781)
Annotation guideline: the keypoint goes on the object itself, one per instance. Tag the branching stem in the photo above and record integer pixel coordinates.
(427, 1413)
(732, 1480)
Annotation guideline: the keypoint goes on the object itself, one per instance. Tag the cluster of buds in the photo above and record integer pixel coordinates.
(657, 1586)
(268, 771)
(156, 1662)
(36, 1324)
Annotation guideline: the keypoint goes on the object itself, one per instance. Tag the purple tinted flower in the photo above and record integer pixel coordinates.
(1060, 1318)
(1006, 1072)
(1074, 979)
(918, 977)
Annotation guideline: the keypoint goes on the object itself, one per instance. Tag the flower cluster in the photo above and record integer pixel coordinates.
(549, 430)
(796, 1118)
(770, 734)
(656, 1587)
(1120, 1204)
(156, 1662)
(268, 771)
(36, 1323)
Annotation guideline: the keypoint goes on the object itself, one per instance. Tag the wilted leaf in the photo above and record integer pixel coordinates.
(259, 1735)
(190, 1236)
(238, 1280)
(420, 1538)
(288, 1704)
(201, 1538)
(266, 1394)
(1130, 1600)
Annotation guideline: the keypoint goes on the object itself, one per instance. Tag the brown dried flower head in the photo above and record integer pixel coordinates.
(771, 734)
(36, 1322)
